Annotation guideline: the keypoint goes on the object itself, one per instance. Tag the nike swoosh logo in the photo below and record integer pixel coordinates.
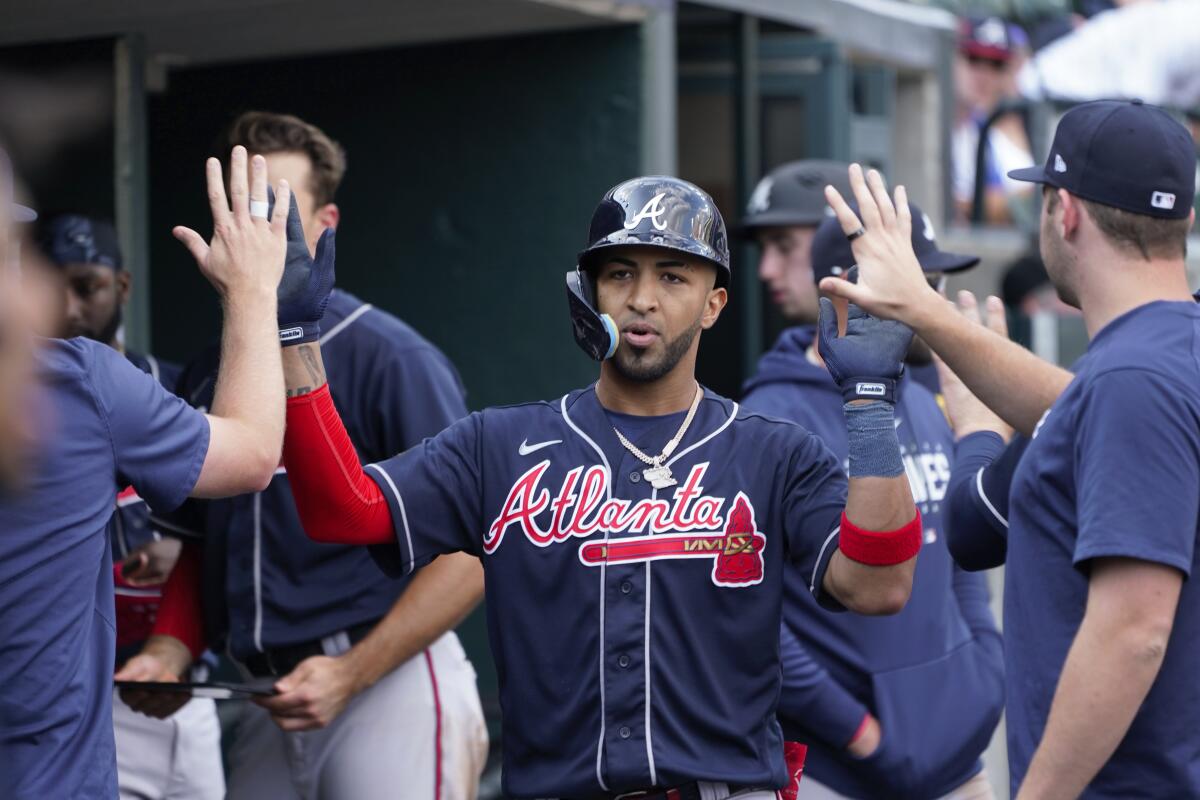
(526, 448)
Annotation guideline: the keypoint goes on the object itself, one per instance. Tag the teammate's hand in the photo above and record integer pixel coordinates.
(313, 694)
(966, 412)
(867, 358)
(163, 660)
(867, 742)
(307, 282)
(151, 564)
(891, 283)
(246, 253)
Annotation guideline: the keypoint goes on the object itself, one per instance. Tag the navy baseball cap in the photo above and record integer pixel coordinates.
(794, 194)
(989, 38)
(75, 239)
(1124, 154)
(832, 255)
(19, 212)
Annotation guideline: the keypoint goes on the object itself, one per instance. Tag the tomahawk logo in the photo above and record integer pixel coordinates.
(652, 211)
(760, 200)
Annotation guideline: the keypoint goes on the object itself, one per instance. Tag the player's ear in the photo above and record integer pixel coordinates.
(717, 298)
(329, 215)
(124, 282)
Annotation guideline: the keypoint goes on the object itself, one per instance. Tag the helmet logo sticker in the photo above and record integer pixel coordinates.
(652, 211)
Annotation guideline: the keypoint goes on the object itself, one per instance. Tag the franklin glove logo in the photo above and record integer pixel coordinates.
(870, 389)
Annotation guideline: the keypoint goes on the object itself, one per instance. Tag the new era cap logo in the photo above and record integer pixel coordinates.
(1163, 200)
(1059, 164)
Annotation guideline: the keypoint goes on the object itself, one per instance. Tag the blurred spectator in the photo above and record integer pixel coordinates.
(17, 314)
(1037, 317)
(984, 78)
(1140, 50)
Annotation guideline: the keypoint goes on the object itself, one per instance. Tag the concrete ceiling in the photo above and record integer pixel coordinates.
(205, 31)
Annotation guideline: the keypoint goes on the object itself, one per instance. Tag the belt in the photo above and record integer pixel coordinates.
(275, 662)
(687, 791)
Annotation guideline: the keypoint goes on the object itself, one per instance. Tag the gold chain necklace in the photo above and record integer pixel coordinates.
(658, 473)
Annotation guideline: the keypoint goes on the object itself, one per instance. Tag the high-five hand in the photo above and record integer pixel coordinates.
(891, 283)
(247, 249)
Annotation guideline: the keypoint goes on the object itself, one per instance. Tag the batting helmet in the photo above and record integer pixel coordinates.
(654, 211)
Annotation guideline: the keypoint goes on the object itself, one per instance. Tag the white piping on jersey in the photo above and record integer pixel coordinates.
(336, 329)
(718, 431)
(984, 498)
(258, 612)
(646, 664)
(603, 577)
(812, 585)
(153, 362)
(412, 559)
(121, 532)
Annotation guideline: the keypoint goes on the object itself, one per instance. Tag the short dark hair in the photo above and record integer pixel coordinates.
(265, 133)
(1151, 237)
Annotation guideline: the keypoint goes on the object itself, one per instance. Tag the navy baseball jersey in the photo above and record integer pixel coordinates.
(635, 630)
(1113, 471)
(977, 500)
(271, 586)
(131, 528)
(932, 674)
(105, 424)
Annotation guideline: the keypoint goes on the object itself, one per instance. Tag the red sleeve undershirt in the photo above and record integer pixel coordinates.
(337, 502)
(179, 612)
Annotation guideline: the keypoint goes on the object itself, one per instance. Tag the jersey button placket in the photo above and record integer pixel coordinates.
(624, 644)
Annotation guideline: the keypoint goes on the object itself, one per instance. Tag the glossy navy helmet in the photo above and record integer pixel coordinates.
(653, 211)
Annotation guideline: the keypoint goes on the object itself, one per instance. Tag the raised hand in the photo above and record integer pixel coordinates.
(306, 284)
(891, 283)
(247, 251)
(966, 412)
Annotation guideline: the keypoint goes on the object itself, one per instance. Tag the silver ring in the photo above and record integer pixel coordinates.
(850, 237)
(259, 208)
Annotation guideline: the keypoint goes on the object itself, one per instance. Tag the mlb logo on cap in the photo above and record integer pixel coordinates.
(1123, 154)
(1163, 200)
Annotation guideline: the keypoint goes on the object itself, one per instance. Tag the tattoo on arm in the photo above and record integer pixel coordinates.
(315, 372)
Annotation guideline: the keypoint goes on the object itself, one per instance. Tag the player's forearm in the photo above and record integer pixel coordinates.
(303, 369)
(1108, 672)
(883, 505)
(249, 385)
(991, 366)
(872, 570)
(439, 597)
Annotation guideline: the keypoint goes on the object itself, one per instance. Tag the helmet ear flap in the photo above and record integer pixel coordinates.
(595, 333)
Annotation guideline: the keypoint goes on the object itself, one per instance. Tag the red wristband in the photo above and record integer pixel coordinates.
(880, 548)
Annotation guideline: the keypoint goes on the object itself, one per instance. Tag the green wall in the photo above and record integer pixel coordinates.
(473, 170)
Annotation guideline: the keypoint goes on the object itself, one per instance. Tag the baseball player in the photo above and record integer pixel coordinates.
(633, 532)
(782, 216)
(1100, 625)
(375, 690)
(937, 667)
(106, 425)
(179, 757)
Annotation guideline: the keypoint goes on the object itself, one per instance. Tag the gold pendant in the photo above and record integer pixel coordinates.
(660, 477)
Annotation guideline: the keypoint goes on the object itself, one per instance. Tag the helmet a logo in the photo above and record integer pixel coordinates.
(760, 200)
(652, 211)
